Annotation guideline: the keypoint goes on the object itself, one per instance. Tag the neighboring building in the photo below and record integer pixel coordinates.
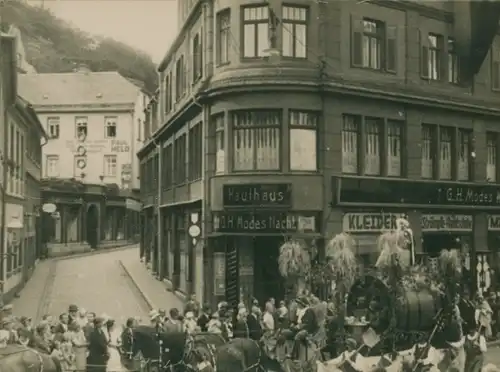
(93, 121)
(22, 138)
(23, 66)
(367, 111)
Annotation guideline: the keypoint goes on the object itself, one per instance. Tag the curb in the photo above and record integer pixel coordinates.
(46, 292)
(144, 296)
(92, 253)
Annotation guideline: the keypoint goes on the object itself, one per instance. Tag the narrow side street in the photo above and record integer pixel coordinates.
(115, 283)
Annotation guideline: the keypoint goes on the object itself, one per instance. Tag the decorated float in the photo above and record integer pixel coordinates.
(399, 309)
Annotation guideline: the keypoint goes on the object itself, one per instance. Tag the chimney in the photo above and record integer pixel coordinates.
(83, 68)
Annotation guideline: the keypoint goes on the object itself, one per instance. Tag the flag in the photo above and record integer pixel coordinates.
(370, 338)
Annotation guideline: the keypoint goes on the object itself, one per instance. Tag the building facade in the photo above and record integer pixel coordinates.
(302, 120)
(90, 168)
(22, 139)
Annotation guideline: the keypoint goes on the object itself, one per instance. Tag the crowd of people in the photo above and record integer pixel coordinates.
(82, 341)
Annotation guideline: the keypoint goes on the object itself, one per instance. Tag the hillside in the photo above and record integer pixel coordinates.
(52, 45)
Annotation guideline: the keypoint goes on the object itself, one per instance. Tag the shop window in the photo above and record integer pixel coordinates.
(445, 153)
(374, 128)
(220, 143)
(256, 140)
(350, 143)
(303, 140)
(195, 152)
(464, 154)
(428, 145)
(492, 155)
(394, 153)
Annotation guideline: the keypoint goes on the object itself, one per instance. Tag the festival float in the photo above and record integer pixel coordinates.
(397, 305)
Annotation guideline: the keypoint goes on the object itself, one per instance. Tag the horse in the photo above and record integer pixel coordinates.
(177, 349)
(18, 358)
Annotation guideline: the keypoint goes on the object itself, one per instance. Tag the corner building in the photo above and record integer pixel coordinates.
(305, 119)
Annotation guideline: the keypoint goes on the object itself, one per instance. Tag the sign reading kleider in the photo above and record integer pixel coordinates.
(369, 222)
(447, 222)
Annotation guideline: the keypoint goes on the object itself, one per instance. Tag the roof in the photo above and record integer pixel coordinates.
(77, 88)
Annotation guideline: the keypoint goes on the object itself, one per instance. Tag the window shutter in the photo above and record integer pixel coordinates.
(356, 41)
(391, 58)
(424, 55)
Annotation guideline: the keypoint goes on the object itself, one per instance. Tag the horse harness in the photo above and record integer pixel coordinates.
(24, 349)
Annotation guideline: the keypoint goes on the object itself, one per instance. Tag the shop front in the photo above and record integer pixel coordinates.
(441, 215)
(246, 238)
(492, 251)
(365, 228)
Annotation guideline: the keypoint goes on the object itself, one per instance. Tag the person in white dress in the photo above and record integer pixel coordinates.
(114, 336)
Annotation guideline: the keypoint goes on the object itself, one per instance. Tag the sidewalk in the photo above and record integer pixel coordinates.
(154, 292)
(33, 298)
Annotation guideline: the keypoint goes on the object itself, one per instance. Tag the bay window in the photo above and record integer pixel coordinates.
(256, 140)
(303, 141)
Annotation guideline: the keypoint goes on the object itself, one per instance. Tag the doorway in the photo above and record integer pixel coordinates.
(268, 281)
(92, 226)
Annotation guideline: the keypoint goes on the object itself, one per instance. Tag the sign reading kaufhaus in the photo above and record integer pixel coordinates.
(257, 195)
(409, 192)
(264, 222)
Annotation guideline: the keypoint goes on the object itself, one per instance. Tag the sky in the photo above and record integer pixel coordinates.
(149, 25)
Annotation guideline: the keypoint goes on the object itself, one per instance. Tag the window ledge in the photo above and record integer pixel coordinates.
(495, 89)
(222, 64)
(375, 70)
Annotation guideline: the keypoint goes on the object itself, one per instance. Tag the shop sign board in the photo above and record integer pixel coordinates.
(264, 222)
(494, 222)
(447, 222)
(257, 195)
(369, 222)
(412, 192)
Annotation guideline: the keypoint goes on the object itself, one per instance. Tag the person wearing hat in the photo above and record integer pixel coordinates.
(215, 325)
(98, 355)
(7, 310)
(192, 305)
(155, 318)
(40, 340)
(8, 325)
(72, 313)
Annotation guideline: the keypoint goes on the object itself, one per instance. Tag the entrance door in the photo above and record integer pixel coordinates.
(268, 280)
(92, 226)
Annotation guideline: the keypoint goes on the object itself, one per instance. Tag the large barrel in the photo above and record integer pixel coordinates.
(415, 310)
